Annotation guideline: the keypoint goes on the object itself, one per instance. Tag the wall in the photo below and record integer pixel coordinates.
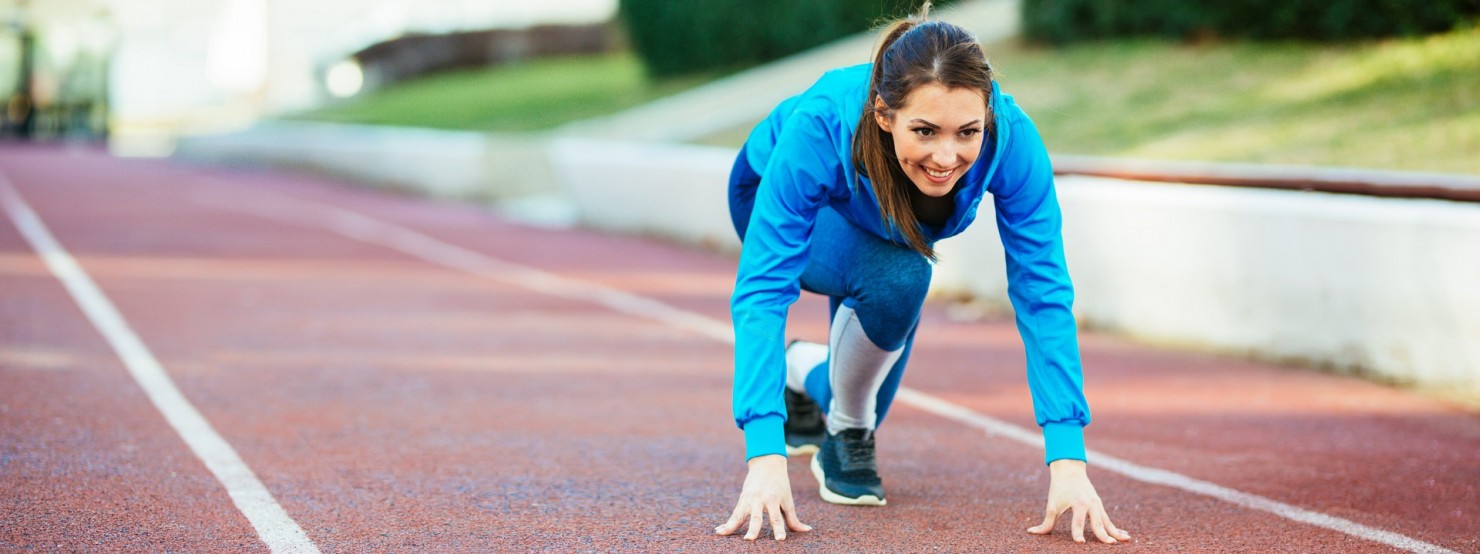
(1383, 287)
(1378, 286)
(445, 164)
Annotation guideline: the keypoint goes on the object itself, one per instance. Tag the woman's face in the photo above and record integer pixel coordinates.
(937, 134)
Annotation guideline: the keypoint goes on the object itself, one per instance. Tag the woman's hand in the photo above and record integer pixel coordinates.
(767, 491)
(1069, 488)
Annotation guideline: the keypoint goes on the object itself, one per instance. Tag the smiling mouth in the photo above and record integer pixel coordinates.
(938, 176)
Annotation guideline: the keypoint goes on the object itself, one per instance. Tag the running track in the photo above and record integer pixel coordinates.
(305, 364)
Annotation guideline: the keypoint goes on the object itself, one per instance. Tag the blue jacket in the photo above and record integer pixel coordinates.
(803, 154)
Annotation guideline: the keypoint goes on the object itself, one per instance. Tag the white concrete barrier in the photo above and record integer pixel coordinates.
(1383, 287)
(675, 191)
(447, 164)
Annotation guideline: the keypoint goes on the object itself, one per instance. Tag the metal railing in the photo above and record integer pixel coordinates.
(1392, 184)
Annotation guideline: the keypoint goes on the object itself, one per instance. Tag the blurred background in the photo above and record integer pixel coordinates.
(150, 70)
(625, 115)
(1305, 82)
(477, 354)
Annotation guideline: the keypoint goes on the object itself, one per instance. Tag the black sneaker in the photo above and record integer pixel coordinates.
(845, 469)
(804, 426)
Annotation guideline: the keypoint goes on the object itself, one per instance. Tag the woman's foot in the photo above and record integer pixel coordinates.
(804, 426)
(845, 469)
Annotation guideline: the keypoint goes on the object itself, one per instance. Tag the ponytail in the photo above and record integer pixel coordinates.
(912, 52)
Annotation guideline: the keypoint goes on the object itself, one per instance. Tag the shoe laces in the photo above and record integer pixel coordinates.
(858, 449)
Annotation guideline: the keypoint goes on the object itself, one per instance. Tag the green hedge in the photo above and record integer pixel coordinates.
(1064, 21)
(680, 36)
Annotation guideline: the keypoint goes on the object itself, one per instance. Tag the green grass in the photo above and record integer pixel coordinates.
(1410, 104)
(527, 96)
(1405, 104)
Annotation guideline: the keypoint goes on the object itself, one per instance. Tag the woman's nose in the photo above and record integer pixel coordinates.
(943, 157)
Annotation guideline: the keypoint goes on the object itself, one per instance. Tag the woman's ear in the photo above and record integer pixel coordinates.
(883, 116)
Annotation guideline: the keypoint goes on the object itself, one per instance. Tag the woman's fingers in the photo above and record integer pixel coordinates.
(736, 518)
(1076, 527)
(754, 513)
(1115, 531)
(792, 521)
(778, 525)
(1097, 524)
(1069, 489)
(757, 515)
(1050, 517)
(766, 494)
(782, 514)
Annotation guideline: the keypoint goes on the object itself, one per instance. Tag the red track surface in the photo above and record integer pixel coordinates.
(392, 404)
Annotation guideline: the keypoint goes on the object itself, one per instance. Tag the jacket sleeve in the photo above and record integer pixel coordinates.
(794, 185)
(1029, 223)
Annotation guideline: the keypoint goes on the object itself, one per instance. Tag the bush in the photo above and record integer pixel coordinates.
(677, 37)
(1064, 21)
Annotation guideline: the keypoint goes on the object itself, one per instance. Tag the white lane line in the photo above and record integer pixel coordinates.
(1166, 478)
(360, 227)
(274, 527)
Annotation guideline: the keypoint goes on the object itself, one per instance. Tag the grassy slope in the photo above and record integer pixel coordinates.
(522, 97)
(1403, 104)
(1407, 104)
(1399, 104)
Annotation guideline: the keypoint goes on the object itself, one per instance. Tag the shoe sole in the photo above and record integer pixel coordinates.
(834, 498)
(802, 450)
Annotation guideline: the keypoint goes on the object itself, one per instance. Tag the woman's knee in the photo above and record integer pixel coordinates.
(890, 297)
(899, 277)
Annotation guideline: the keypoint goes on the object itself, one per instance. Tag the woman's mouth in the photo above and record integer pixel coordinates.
(938, 177)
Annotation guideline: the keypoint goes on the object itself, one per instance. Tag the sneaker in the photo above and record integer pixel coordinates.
(804, 426)
(845, 469)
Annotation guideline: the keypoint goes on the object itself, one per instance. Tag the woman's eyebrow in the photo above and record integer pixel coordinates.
(937, 127)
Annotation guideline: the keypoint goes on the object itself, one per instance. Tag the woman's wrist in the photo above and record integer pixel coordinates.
(1068, 465)
(767, 461)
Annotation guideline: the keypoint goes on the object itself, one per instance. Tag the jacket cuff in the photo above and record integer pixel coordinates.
(1062, 441)
(765, 435)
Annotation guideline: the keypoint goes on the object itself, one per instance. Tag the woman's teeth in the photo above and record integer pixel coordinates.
(937, 174)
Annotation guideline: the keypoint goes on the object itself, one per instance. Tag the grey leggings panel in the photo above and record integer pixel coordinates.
(883, 284)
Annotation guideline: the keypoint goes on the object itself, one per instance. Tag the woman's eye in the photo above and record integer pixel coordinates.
(968, 133)
(925, 131)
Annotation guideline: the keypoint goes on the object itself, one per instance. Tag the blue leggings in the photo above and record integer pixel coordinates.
(882, 281)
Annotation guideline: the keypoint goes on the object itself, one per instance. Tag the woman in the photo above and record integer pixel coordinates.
(843, 191)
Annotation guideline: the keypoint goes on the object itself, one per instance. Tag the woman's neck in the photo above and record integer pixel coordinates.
(933, 211)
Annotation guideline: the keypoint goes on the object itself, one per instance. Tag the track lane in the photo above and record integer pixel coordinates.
(85, 462)
(1371, 454)
(430, 448)
(1400, 541)
(1433, 422)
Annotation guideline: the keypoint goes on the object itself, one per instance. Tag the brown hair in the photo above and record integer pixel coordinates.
(913, 52)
